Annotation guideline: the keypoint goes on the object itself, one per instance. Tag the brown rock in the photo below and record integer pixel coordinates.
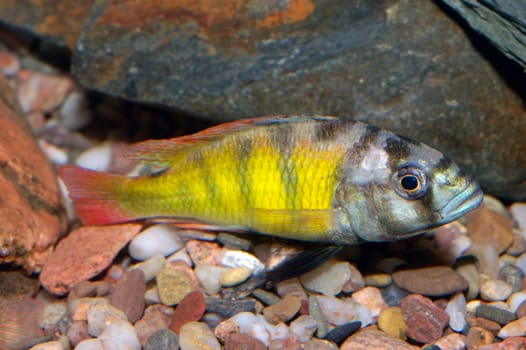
(430, 281)
(425, 321)
(77, 332)
(452, 341)
(483, 323)
(30, 204)
(489, 227)
(372, 338)
(128, 294)
(155, 317)
(191, 308)
(175, 281)
(203, 252)
(477, 337)
(283, 310)
(238, 341)
(83, 254)
(514, 343)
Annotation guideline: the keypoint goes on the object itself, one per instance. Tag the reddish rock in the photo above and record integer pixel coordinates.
(191, 308)
(515, 343)
(128, 294)
(156, 317)
(483, 323)
(371, 297)
(31, 213)
(477, 337)
(372, 338)
(283, 310)
(430, 281)
(288, 343)
(40, 91)
(489, 227)
(9, 64)
(238, 341)
(77, 332)
(84, 254)
(203, 252)
(425, 320)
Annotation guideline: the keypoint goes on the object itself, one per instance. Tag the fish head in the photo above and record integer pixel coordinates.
(395, 188)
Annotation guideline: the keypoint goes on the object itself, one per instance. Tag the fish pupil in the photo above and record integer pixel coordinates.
(409, 182)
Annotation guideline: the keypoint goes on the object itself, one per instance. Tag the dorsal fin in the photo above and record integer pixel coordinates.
(168, 152)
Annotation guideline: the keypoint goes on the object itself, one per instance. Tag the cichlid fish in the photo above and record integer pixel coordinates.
(307, 178)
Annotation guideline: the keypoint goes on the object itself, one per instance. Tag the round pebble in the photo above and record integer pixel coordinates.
(192, 331)
(456, 310)
(370, 297)
(495, 290)
(100, 315)
(173, 285)
(430, 281)
(392, 322)
(96, 158)
(163, 339)
(191, 308)
(513, 276)
(234, 276)
(155, 240)
(328, 278)
(119, 335)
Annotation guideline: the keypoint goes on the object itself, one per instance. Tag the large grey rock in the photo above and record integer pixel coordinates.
(503, 22)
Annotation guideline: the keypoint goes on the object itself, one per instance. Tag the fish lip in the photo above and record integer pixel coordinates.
(468, 199)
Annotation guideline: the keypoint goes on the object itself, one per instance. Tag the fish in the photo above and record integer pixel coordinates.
(299, 177)
(19, 323)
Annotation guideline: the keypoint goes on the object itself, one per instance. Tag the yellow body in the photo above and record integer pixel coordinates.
(246, 180)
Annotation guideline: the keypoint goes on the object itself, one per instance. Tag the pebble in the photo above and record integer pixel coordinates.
(371, 338)
(487, 259)
(469, 271)
(513, 276)
(234, 242)
(227, 308)
(430, 281)
(191, 308)
(174, 282)
(521, 310)
(50, 345)
(513, 343)
(303, 327)
(287, 343)
(392, 322)
(83, 254)
(338, 311)
(495, 290)
(515, 328)
(234, 276)
(452, 341)
(96, 158)
(203, 252)
(9, 64)
(328, 278)
(425, 320)
(477, 337)
(181, 255)
(74, 113)
(379, 280)
(250, 324)
(155, 240)
(150, 267)
(283, 310)
(484, 323)
(515, 300)
(490, 227)
(392, 294)
(238, 341)
(119, 335)
(77, 332)
(197, 336)
(56, 155)
(356, 282)
(456, 310)
(518, 211)
(518, 246)
(41, 92)
(156, 317)
(54, 313)
(90, 344)
(339, 333)
(128, 294)
(291, 287)
(100, 315)
(77, 307)
(316, 312)
(371, 297)
(209, 277)
(495, 314)
(319, 344)
(266, 297)
(239, 258)
(163, 339)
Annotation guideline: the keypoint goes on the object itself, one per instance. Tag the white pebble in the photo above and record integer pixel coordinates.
(339, 312)
(518, 211)
(89, 344)
(74, 112)
(239, 258)
(515, 300)
(209, 275)
(100, 315)
(96, 158)
(152, 296)
(515, 328)
(182, 255)
(120, 335)
(151, 267)
(155, 240)
(254, 325)
(193, 331)
(304, 327)
(50, 345)
(54, 154)
(456, 310)
(495, 290)
(328, 278)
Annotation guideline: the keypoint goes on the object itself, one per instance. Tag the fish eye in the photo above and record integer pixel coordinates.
(410, 182)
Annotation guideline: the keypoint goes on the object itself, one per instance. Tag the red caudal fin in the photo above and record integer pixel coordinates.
(19, 323)
(95, 195)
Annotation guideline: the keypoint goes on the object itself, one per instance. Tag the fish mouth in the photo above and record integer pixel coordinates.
(465, 201)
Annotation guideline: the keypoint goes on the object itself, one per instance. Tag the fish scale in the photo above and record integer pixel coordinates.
(303, 177)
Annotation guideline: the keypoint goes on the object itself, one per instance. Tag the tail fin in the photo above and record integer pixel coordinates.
(95, 195)
(19, 323)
